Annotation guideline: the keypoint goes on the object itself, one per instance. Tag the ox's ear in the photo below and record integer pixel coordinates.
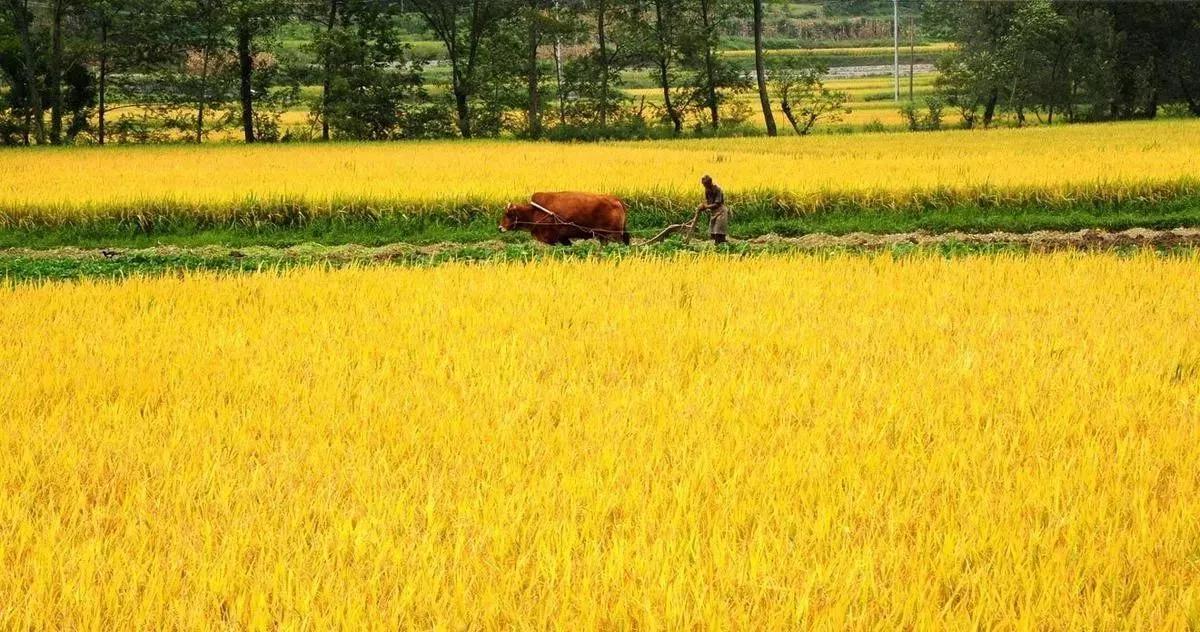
(510, 206)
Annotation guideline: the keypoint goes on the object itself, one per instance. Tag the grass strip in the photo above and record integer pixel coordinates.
(54, 267)
(474, 222)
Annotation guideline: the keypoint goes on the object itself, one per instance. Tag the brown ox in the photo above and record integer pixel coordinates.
(568, 215)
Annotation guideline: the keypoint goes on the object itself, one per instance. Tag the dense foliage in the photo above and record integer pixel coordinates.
(186, 69)
(189, 70)
(1078, 60)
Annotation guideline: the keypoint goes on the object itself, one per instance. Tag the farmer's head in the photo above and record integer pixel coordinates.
(706, 180)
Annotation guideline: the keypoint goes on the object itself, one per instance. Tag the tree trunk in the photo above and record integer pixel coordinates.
(562, 104)
(463, 109)
(786, 106)
(203, 100)
(534, 78)
(103, 89)
(710, 79)
(54, 72)
(245, 71)
(600, 15)
(327, 80)
(665, 82)
(21, 22)
(664, 66)
(760, 69)
(989, 110)
(1192, 103)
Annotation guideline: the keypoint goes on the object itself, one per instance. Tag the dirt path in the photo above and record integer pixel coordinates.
(1038, 241)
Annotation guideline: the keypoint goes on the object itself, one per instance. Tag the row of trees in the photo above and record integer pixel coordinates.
(1091, 60)
(185, 59)
(198, 65)
(536, 68)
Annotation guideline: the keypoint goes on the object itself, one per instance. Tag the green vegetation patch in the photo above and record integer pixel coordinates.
(755, 213)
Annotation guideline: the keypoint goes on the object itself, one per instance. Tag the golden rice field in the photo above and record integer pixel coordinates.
(858, 90)
(849, 51)
(1126, 159)
(1007, 442)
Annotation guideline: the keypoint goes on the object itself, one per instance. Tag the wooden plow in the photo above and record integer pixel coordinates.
(689, 227)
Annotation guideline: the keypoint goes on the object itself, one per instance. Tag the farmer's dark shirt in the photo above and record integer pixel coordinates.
(714, 195)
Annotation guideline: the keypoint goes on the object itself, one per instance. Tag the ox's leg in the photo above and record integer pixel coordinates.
(565, 241)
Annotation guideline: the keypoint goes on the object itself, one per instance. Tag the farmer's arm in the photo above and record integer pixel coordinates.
(718, 201)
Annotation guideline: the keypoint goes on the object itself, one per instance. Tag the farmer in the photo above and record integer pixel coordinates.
(714, 203)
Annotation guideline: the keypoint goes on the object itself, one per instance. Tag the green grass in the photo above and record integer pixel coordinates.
(470, 222)
(15, 270)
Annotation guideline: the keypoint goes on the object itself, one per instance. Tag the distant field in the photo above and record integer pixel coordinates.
(1117, 159)
(871, 101)
(1062, 178)
(851, 51)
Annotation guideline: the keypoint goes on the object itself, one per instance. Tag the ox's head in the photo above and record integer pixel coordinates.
(515, 215)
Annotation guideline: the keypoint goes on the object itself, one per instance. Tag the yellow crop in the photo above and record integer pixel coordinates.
(767, 443)
(1059, 160)
(852, 51)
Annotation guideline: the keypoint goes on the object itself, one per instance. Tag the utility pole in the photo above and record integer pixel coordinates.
(896, 45)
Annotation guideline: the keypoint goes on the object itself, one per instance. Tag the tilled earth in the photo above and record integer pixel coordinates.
(1038, 241)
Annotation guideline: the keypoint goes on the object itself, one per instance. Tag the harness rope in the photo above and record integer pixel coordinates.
(689, 225)
(565, 222)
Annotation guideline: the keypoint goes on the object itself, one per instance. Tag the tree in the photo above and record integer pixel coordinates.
(982, 61)
(462, 26)
(124, 34)
(1111, 59)
(1156, 52)
(58, 9)
(326, 55)
(603, 58)
(802, 94)
(52, 74)
(192, 67)
(666, 55)
(1033, 47)
(20, 16)
(102, 16)
(592, 82)
(708, 41)
(539, 19)
(713, 73)
(760, 69)
(372, 87)
(655, 32)
(252, 20)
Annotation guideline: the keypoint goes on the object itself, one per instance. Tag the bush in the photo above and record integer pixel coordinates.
(12, 130)
(625, 130)
(875, 126)
(929, 120)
